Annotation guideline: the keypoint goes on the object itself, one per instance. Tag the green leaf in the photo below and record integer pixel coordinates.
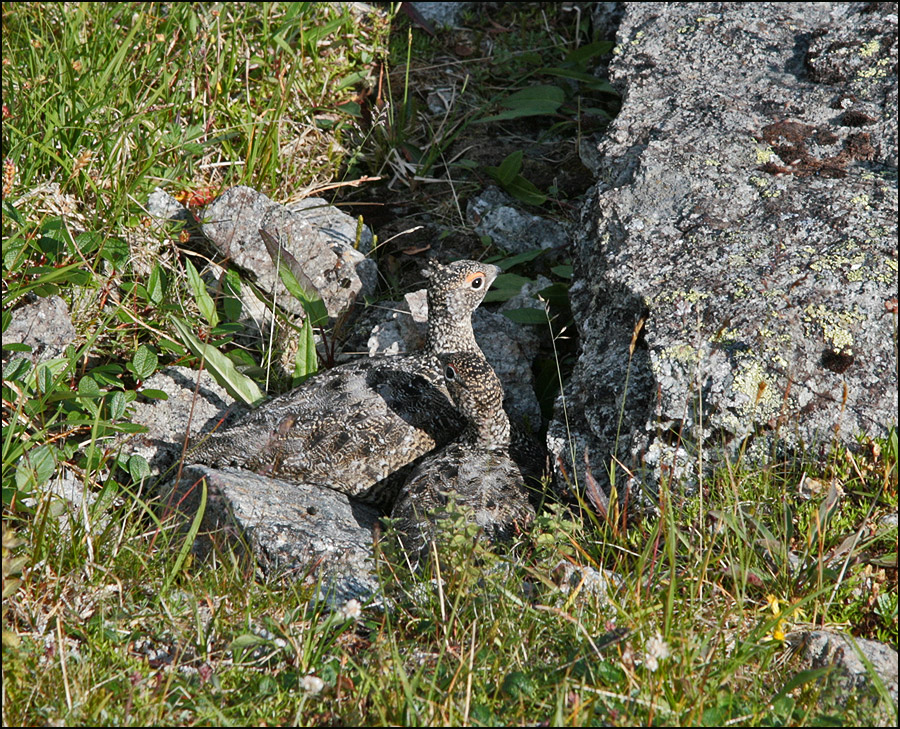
(35, 468)
(17, 368)
(801, 678)
(138, 468)
(295, 280)
(114, 250)
(526, 316)
(188, 541)
(156, 285)
(155, 394)
(523, 190)
(563, 271)
(231, 301)
(238, 386)
(144, 362)
(201, 296)
(505, 286)
(508, 263)
(306, 361)
(117, 405)
(592, 82)
(88, 387)
(508, 169)
(533, 101)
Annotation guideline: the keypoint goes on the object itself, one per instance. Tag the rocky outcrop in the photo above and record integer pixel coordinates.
(736, 270)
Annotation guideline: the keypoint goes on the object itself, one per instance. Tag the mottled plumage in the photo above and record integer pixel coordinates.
(475, 471)
(350, 427)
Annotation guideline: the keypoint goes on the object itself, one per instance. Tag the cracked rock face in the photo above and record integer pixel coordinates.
(314, 235)
(736, 269)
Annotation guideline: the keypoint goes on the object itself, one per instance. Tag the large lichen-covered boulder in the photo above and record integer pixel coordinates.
(736, 270)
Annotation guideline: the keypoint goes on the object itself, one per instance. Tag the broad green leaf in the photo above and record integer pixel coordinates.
(508, 169)
(138, 468)
(533, 101)
(17, 368)
(526, 316)
(36, 467)
(588, 51)
(116, 404)
(592, 82)
(505, 287)
(144, 362)
(508, 263)
(523, 190)
(114, 250)
(295, 280)
(231, 302)
(188, 540)
(156, 285)
(222, 369)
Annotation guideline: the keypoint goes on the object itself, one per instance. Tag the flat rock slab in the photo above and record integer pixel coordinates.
(311, 236)
(736, 270)
(318, 534)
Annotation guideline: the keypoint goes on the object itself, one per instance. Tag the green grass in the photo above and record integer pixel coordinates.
(108, 619)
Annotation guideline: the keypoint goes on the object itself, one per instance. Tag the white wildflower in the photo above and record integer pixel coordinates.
(655, 650)
(312, 684)
(351, 610)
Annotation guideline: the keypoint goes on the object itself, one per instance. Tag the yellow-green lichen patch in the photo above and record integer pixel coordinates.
(836, 326)
(692, 296)
(854, 263)
(871, 48)
(773, 344)
(682, 353)
(879, 70)
(760, 182)
(763, 401)
(764, 155)
(861, 200)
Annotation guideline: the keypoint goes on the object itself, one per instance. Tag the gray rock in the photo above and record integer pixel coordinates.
(818, 648)
(44, 324)
(338, 272)
(164, 208)
(334, 223)
(585, 581)
(314, 533)
(494, 214)
(441, 13)
(748, 226)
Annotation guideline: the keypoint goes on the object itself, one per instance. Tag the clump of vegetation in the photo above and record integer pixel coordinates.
(596, 616)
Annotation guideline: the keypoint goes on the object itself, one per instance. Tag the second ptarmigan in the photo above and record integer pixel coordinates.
(475, 472)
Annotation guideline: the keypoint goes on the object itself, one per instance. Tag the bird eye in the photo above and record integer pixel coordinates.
(450, 373)
(477, 282)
